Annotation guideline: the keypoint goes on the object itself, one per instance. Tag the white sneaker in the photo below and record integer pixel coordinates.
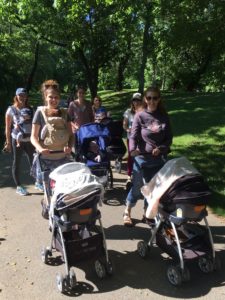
(21, 191)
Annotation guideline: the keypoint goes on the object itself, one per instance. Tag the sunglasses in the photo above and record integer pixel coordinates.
(154, 98)
(54, 86)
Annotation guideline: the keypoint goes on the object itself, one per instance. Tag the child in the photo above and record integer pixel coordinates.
(94, 153)
(21, 128)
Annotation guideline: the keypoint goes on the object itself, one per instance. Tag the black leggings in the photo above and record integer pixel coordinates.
(26, 147)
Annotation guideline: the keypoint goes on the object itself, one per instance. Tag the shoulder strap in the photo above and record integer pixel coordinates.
(42, 109)
(64, 113)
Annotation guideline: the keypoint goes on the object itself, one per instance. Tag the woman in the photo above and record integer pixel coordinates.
(80, 110)
(128, 117)
(51, 130)
(13, 117)
(150, 141)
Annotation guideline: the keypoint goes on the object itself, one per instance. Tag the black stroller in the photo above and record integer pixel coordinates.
(73, 215)
(99, 134)
(116, 148)
(177, 230)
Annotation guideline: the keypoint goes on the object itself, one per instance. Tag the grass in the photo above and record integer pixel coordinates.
(199, 133)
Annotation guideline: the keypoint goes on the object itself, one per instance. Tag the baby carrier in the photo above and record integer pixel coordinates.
(177, 197)
(99, 133)
(73, 215)
(23, 121)
(55, 133)
(116, 148)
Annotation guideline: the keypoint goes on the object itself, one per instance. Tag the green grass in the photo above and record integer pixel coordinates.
(199, 133)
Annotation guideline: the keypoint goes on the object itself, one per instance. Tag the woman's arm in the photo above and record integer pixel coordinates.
(35, 139)
(8, 125)
(135, 134)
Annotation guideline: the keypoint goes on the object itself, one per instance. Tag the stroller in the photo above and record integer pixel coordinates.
(99, 134)
(116, 148)
(73, 215)
(177, 196)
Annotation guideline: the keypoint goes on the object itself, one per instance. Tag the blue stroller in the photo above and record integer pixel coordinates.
(91, 144)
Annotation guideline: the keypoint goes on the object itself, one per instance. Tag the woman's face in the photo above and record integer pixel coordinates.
(52, 99)
(81, 94)
(97, 102)
(152, 100)
(21, 99)
(136, 103)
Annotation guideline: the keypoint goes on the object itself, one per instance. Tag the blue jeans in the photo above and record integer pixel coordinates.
(144, 168)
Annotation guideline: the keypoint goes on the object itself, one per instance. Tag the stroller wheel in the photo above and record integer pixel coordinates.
(205, 264)
(45, 253)
(142, 249)
(109, 268)
(100, 269)
(72, 279)
(61, 282)
(174, 275)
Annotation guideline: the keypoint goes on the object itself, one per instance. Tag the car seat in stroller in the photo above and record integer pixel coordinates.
(177, 196)
(98, 133)
(46, 166)
(73, 215)
(116, 148)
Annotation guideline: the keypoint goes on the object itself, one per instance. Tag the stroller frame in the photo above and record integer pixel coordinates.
(206, 255)
(76, 236)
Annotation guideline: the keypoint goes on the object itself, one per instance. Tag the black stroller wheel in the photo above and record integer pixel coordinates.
(118, 165)
(61, 282)
(109, 268)
(205, 264)
(174, 275)
(142, 249)
(45, 253)
(100, 269)
(72, 279)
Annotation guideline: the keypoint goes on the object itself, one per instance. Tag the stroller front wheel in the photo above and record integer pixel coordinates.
(100, 269)
(72, 279)
(205, 264)
(45, 253)
(142, 249)
(61, 282)
(174, 275)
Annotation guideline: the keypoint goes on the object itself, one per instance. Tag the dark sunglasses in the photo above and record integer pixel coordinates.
(54, 86)
(154, 98)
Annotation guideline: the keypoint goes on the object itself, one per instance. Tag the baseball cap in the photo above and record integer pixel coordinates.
(21, 91)
(137, 96)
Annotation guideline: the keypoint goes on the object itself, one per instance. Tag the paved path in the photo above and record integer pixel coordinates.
(23, 232)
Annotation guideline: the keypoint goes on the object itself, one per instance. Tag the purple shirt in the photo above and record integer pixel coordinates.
(151, 130)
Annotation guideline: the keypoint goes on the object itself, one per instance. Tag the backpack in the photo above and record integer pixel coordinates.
(56, 131)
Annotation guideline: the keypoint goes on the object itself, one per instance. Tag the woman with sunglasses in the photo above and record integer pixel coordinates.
(150, 141)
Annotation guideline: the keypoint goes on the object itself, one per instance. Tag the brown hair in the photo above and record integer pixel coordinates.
(155, 89)
(49, 85)
(15, 101)
(98, 97)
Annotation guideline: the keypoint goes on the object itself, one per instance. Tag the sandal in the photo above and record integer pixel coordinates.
(127, 220)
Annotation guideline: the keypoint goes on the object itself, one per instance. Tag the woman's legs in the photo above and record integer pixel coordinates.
(17, 154)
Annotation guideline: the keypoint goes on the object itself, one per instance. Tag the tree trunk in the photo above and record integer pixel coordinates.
(34, 67)
(145, 47)
(91, 74)
(122, 66)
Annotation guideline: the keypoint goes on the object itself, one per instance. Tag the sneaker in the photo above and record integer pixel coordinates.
(39, 186)
(21, 191)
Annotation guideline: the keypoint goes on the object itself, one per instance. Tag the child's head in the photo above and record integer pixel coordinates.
(26, 113)
(93, 147)
(100, 114)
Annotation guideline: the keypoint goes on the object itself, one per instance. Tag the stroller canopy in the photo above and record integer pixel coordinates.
(176, 181)
(91, 131)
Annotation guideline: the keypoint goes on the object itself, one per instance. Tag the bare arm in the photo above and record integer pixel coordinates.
(35, 139)
(71, 141)
(8, 125)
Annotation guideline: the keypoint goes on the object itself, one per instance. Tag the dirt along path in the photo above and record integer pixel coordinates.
(23, 232)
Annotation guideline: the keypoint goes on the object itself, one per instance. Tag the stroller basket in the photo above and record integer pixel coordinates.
(80, 249)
